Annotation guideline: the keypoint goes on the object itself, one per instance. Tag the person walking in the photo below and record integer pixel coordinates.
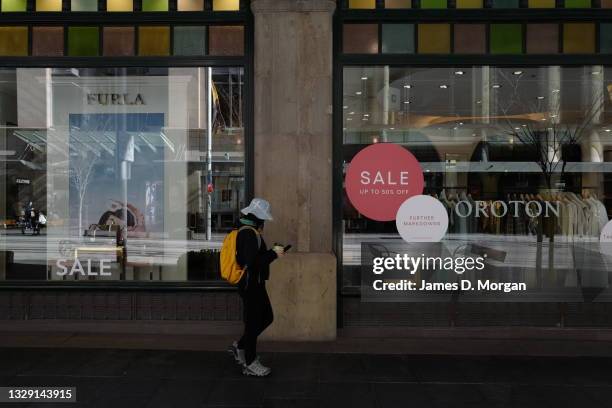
(253, 255)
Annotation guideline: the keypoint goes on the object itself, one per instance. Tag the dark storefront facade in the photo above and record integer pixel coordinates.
(138, 129)
(115, 111)
(504, 104)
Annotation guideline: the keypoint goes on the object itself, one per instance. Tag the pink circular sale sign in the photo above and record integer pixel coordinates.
(380, 178)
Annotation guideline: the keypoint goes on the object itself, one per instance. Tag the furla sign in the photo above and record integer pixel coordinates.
(115, 99)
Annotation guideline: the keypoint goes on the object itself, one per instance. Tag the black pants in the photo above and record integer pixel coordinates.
(257, 317)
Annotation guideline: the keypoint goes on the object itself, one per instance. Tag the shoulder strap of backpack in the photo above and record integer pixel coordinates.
(256, 234)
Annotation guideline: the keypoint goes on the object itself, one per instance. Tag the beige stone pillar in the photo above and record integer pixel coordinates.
(293, 161)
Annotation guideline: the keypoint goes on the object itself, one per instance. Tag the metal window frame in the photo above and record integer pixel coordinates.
(243, 17)
(484, 16)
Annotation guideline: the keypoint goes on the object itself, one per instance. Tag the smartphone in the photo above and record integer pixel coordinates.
(288, 247)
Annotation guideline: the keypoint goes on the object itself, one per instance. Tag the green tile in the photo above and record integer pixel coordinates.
(14, 5)
(398, 38)
(506, 39)
(83, 41)
(189, 40)
(433, 4)
(154, 5)
(577, 3)
(84, 5)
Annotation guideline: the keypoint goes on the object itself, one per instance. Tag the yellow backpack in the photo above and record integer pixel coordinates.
(230, 270)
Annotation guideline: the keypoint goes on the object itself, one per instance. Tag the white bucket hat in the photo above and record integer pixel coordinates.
(259, 208)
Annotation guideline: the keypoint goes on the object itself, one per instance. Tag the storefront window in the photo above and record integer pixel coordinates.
(520, 158)
(119, 173)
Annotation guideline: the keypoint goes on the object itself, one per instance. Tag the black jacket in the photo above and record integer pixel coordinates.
(257, 260)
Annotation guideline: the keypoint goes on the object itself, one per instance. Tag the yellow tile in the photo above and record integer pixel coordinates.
(48, 5)
(13, 41)
(463, 4)
(119, 5)
(541, 3)
(362, 4)
(226, 5)
(579, 38)
(434, 39)
(154, 41)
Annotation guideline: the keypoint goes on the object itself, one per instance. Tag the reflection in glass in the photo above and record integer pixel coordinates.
(108, 173)
(519, 157)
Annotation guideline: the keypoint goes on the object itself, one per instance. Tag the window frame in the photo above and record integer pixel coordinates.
(242, 17)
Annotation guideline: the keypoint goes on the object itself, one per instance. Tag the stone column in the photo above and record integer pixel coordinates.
(293, 160)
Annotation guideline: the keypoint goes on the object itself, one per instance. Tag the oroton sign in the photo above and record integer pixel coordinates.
(380, 178)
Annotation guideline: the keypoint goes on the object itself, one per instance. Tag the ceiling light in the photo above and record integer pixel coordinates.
(406, 102)
(517, 128)
(364, 78)
(407, 86)
(364, 119)
(443, 86)
(345, 107)
(459, 72)
(460, 123)
(555, 91)
(595, 72)
(607, 130)
(358, 93)
(349, 118)
(479, 102)
(496, 86)
(524, 125)
(375, 140)
(351, 113)
(517, 72)
(366, 115)
(540, 98)
(391, 128)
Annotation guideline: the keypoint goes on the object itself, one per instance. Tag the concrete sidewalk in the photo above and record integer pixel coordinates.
(513, 341)
(161, 378)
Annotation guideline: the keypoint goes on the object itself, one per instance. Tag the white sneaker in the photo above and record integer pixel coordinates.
(237, 353)
(257, 369)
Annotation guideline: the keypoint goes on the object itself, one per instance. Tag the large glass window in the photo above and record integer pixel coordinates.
(520, 158)
(119, 173)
